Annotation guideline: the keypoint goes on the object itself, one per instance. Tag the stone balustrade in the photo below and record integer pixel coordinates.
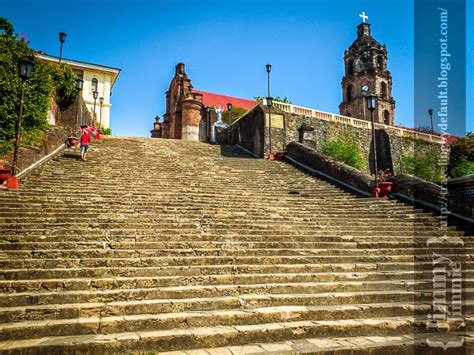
(355, 122)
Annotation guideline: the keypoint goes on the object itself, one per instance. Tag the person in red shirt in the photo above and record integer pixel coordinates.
(85, 141)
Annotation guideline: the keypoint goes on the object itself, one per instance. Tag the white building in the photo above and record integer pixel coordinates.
(96, 77)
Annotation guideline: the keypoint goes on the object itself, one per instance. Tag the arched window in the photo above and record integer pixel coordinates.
(380, 62)
(349, 93)
(384, 90)
(386, 117)
(350, 67)
(94, 85)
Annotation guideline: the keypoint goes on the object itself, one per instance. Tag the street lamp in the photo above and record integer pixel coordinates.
(208, 120)
(363, 91)
(101, 102)
(371, 105)
(79, 85)
(269, 104)
(95, 94)
(62, 38)
(430, 112)
(229, 108)
(25, 66)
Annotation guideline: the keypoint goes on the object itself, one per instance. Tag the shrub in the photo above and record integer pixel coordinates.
(345, 149)
(423, 164)
(106, 131)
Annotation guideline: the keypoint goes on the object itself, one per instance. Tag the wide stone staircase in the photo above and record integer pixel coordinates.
(160, 245)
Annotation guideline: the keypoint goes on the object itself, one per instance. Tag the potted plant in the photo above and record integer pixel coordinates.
(384, 186)
(72, 141)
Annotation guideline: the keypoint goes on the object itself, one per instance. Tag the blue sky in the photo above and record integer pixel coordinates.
(225, 45)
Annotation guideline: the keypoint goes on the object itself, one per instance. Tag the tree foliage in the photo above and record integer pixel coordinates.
(424, 164)
(47, 81)
(344, 149)
(277, 98)
(237, 112)
(461, 160)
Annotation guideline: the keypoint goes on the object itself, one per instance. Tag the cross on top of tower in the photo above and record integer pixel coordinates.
(363, 16)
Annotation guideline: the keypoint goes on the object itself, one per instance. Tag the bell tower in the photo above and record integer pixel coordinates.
(365, 63)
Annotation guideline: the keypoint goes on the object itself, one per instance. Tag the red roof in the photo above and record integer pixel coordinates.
(448, 137)
(214, 100)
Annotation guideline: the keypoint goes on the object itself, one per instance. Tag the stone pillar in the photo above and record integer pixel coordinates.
(191, 116)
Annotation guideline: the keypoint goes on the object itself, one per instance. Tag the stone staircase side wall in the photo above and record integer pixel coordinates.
(248, 132)
(391, 147)
(406, 187)
(311, 158)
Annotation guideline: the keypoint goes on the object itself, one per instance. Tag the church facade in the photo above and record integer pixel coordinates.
(190, 113)
(366, 71)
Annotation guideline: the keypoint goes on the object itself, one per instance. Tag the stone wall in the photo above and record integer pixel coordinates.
(390, 147)
(248, 132)
(405, 187)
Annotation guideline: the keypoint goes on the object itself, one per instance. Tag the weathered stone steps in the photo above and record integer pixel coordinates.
(199, 270)
(367, 292)
(203, 337)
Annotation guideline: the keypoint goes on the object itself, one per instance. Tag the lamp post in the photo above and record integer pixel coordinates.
(62, 38)
(363, 91)
(269, 104)
(101, 102)
(79, 85)
(25, 66)
(208, 125)
(95, 94)
(371, 105)
(430, 112)
(229, 108)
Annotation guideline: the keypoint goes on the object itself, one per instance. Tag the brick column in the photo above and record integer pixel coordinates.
(191, 118)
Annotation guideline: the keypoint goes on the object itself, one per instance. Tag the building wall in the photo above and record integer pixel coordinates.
(104, 85)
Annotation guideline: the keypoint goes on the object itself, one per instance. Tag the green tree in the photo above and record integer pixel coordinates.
(46, 82)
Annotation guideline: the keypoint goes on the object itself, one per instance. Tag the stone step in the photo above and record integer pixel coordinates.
(402, 344)
(357, 270)
(222, 249)
(102, 324)
(362, 292)
(206, 337)
(185, 260)
(394, 247)
(374, 279)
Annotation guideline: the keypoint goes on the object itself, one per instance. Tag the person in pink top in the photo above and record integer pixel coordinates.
(85, 141)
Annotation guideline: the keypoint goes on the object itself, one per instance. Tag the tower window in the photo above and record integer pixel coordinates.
(94, 84)
(349, 93)
(384, 90)
(386, 117)
(380, 62)
(350, 67)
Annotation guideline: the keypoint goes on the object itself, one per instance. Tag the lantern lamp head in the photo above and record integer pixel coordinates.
(269, 68)
(62, 37)
(229, 106)
(371, 102)
(25, 66)
(79, 84)
(269, 101)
